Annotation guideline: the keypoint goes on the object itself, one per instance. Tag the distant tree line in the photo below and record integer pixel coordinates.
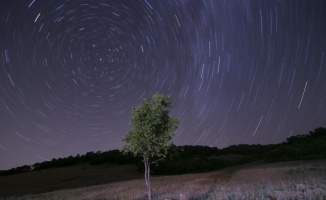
(310, 146)
(193, 159)
(113, 156)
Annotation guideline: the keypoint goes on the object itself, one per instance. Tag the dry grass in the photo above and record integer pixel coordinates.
(65, 178)
(294, 180)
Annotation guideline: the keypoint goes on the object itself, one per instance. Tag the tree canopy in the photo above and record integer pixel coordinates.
(152, 128)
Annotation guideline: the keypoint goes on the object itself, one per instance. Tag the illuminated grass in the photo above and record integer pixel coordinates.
(293, 180)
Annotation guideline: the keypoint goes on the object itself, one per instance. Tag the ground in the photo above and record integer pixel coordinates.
(288, 180)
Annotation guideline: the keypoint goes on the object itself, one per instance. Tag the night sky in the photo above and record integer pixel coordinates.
(238, 71)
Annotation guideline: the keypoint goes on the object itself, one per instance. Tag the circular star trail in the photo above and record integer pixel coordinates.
(238, 71)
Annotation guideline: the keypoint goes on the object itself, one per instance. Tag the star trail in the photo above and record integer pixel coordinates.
(240, 71)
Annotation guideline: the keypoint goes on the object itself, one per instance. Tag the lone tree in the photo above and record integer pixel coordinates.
(151, 133)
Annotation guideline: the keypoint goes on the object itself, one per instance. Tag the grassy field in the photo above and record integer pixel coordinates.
(65, 178)
(290, 180)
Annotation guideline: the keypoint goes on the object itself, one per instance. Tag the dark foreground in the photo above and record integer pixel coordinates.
(65, 178)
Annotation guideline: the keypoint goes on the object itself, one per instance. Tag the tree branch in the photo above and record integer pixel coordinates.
(156, 161)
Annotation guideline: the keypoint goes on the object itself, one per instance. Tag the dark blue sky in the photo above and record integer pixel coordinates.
(238, 71)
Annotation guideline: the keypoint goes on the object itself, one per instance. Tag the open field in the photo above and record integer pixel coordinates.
(49, 180)
(289, 180)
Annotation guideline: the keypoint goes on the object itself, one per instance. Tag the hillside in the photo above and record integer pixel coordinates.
(112, 166)
(284, 180)
(193, 159)
(47, 180)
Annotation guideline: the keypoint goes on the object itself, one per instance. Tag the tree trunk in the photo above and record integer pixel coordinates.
(147, 177)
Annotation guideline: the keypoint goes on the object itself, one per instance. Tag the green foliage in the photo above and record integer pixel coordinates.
(151, 132)
(152, 128)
